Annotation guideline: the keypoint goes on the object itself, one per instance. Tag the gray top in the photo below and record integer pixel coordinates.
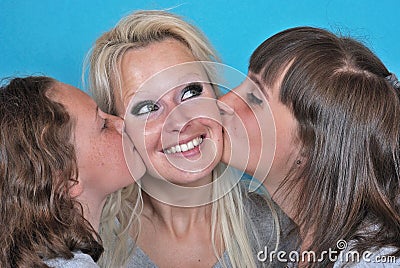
(80, 260)
(263, 237)
(381, 258)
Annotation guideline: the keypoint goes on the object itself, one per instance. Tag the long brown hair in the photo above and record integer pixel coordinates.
(39, 220)
(349, 131)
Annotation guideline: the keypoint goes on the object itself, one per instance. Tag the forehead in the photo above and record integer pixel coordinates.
(137, 65)
(74, 100)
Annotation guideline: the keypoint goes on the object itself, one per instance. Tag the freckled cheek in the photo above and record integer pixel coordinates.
(92, 152)
(99, 157)
(111, 143)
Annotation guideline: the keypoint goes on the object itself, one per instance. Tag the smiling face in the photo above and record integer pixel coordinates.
(261, 110)
(98, 143)
(171, 115)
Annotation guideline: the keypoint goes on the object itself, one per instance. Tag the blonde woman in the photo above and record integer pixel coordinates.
(227, 232)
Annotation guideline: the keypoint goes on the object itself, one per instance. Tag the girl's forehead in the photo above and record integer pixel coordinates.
(167, 80)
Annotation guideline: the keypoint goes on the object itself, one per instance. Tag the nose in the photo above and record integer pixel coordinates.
(178, 119)
(228, 103)
(117, 122)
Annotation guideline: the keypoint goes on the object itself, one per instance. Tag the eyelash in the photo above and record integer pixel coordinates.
(195, 89)
(136, 110)
(253, 99)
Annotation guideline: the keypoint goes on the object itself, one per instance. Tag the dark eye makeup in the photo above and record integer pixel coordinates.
(144, 107)
(253, 99)
(148, 106)
(191, 91)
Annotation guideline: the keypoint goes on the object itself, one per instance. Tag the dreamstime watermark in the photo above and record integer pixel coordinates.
(341, 255)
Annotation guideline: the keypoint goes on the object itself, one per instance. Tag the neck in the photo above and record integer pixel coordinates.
(177, 208)
(285, 201)
(178, 220)
(281, 198)
(178, 195)
(92, 208)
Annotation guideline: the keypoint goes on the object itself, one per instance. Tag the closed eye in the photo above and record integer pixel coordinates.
(191, 91)
(253, 99)
(105, 124)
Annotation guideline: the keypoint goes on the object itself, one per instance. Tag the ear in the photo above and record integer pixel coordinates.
(76, 188)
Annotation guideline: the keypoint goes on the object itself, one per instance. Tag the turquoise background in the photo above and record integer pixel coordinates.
(52, 37)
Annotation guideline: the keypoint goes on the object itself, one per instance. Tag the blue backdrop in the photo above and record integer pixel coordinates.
(52, 37)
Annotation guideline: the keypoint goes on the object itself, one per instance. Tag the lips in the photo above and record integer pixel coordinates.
(180, 148)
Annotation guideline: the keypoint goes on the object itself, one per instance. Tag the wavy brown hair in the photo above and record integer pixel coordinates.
(39, 219)
(349, 131)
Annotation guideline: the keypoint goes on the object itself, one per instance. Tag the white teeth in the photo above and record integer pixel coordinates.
(184, 147)
(190, 145)
(196, 142)
(178, 149)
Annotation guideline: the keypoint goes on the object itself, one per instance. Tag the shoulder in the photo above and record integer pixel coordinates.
(80, 260)
(266, 214)
(261, 207)
(140, 259)
(271, 230)
(380, 258)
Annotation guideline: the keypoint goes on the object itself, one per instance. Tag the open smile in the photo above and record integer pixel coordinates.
(180, 148)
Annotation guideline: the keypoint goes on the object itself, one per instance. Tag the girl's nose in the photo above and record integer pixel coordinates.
(117, 122)
(228, 102)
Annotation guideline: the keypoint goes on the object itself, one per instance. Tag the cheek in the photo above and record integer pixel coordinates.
(145, 135)
(152, 135)
(212, 123)
(217, 129)
(111, 144)
(91, 160)
(86, 152)
(218, 138)
(285, 136)
(286, 129)
(149, 145)
(251, 123)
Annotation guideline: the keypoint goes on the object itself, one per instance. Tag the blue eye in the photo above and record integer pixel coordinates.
(191, 91)
(253, 99)
(144, 107)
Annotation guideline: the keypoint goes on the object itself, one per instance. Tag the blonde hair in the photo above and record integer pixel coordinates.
(134, 31)
(138, 30)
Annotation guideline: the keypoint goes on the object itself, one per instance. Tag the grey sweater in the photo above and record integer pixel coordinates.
(262, 235)
(80, 260)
